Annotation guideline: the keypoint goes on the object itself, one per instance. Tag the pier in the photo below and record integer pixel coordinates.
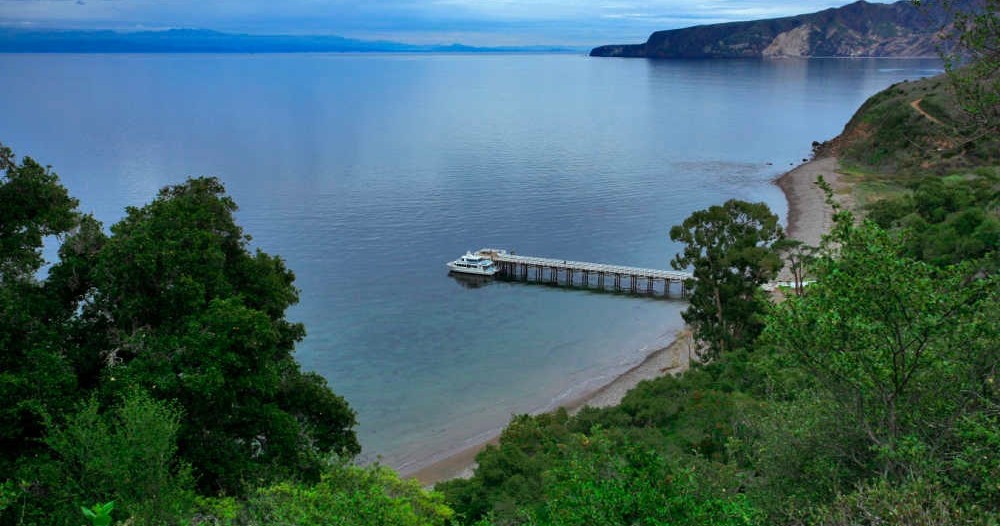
(617, 278)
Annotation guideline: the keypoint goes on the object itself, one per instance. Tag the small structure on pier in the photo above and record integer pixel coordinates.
(582, 274)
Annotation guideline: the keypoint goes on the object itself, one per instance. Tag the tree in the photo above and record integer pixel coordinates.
(914, 503)
(36, 380)
(730, 248)
(190, 314)
(603, 483)
(350, 496)
(898, 342)
(127, 455)
(973, 65)
(35, 205)
(797, 256)
(948, 220)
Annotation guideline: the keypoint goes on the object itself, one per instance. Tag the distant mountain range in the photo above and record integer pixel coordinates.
(861, 29)
(14, 40)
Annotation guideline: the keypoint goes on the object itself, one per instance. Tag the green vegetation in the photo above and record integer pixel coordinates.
(99, 514)
(936, 126)
(347, 495)
(948, 220)
(868, 396)
(731, 250)
(150, 372)
(871, 397)
(974, 68)
(152, 368)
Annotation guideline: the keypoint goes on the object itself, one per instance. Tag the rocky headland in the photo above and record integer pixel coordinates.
(861, 29)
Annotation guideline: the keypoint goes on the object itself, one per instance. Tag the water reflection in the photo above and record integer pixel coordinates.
(470, 281)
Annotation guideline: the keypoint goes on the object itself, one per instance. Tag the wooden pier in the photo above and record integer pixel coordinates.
(582, 274)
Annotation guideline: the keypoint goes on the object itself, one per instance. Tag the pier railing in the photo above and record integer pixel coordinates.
(584, 274)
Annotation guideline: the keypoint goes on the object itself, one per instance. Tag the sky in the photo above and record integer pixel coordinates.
(473, 22)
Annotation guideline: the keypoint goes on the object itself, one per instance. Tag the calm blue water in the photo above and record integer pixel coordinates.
(368, 172)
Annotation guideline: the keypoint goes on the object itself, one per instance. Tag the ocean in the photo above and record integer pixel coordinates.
(368, 172)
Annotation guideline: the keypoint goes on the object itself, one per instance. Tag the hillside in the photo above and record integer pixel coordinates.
(907, 131)
(860, 29)
(870, 396)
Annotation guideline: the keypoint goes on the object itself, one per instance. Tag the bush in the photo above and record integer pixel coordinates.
(348, 495)
(127, 455)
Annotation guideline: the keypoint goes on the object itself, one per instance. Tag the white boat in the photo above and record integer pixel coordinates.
(474, 264)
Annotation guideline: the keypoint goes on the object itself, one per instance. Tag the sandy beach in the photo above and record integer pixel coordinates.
(809, 217)
(672, 359)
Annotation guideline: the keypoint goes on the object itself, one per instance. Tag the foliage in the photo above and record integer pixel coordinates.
(348, 495)
(973, 65)
(36, 379)
(193, 316)
(127, 456)
(173, 322)
(915, 503)
(603, 483)
(891, 338)
(973, 473)
(509, 475)
(730, 250)
(947, 220)
(689, 419)
(35, 205)
(99, 514)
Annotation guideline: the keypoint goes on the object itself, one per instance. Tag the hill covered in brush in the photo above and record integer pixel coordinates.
(861, 29)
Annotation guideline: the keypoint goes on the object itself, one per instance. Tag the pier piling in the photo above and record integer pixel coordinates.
(558, 271)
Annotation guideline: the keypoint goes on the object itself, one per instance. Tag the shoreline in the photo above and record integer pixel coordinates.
(809, 217)
(672, 358)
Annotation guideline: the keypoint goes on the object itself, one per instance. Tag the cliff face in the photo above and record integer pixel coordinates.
(860, 29)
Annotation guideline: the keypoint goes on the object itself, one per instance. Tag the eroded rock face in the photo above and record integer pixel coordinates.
(860, 29)
(794, 43)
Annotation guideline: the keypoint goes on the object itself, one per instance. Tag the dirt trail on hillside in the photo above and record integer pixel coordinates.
(916, 105)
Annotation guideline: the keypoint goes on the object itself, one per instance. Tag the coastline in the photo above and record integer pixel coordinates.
(809, 217)
(673, 358)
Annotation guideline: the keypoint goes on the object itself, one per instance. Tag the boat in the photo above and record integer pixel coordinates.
(477, 264)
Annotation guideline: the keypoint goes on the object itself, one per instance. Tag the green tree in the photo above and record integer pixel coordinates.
(947, 220)
(604, 483)
(349, 496)
(190, 314)
(730, 248)
(897, 341)
(35, 205)
(973, 65)
(127, 455)
(914, 503)
(797, 256)
(36, 378)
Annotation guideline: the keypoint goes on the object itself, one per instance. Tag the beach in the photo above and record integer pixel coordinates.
(672, 359)
(809, 217)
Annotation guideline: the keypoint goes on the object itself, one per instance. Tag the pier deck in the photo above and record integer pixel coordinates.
(588, 275)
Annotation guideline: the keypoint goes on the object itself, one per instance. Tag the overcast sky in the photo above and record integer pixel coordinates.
(476, 22)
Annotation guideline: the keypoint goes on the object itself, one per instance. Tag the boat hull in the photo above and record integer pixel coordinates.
(475, 271)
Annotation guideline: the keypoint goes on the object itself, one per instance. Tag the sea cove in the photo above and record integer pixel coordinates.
(368, 172)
